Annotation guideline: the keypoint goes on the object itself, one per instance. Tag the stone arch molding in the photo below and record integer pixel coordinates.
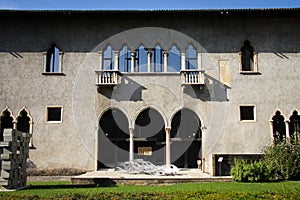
(167, 121)
(8, 110)
(291, 113)
(186, 107)
(274, 113)
(115, 107)
(146, 107)
(150, 37)
(28, 114)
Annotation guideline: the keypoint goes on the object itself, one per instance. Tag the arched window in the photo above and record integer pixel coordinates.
(191, 58)
(174, 61)
(157, 59)
(6, 121)
(125, 60)
(23, 121)
(294, 127)
(248, 57)
(53, 59)
(279, 133)
(108, 56)
(141, 60)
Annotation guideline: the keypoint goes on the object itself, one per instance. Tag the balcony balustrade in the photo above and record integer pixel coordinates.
(108, 77)
(192, 77)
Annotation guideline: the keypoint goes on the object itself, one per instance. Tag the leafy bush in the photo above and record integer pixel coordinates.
(280, 162)
(284, 159)
(253, 172)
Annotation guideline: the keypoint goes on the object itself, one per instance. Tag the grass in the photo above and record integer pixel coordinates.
(213, 190)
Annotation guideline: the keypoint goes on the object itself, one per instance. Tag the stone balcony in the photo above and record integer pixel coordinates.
(192, 77)
(108, 77)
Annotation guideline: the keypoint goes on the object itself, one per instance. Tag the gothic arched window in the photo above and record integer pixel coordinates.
(6, 121)
(53, 57)
(191, 57)
(108, 56)
(125, 59)
(174, 60)
(279, 131)
(294, 127)
(248, 58)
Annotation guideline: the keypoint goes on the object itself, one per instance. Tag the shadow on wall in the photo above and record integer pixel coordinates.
(132, 88)
(213, 90)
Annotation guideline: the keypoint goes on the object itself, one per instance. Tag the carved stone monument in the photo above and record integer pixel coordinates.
(14, 154)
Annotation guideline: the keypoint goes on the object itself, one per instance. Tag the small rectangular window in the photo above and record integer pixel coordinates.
(247, 113)
(54, 114)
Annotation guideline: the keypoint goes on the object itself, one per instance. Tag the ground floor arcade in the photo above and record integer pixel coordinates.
(150, 139)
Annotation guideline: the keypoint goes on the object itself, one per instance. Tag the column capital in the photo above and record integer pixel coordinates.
(168, 128)
(132, 53)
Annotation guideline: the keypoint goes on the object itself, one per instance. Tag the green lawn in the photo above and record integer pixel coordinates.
(214, 190)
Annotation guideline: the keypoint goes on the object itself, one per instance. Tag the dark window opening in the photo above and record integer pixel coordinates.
(52, 59)
(247, 113)
(247, 57)
(6, 122)
(54, 114)
(279, 133)
(23, 122)
(294, 127)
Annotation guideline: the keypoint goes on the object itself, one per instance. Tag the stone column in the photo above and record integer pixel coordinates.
(168, 146)
(116, 60)
(287, 131)
(132, 54)
(14, 124)
(30, 135)
(131, 145)
(166, 54)
(203, 147)
(182, 60)
(271, 130)
(149, 54)
(100, 59)
(199, 60)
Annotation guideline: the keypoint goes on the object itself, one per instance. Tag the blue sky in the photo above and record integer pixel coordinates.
(144, 4)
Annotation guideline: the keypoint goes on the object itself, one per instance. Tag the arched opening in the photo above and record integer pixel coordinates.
(125, 59)
(279, 131)
(52, 59)
(186, 138)
(150, 137)
(108, 58)
(6, 122)
(141, 60)
(174, 62)
(157, 59)
(191, 57)
(23, 121)
(113, 139)
(294, 127)
(247, 59)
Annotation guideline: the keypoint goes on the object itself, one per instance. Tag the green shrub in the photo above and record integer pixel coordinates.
(284, 159)
(280, 162)
(253, 172)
